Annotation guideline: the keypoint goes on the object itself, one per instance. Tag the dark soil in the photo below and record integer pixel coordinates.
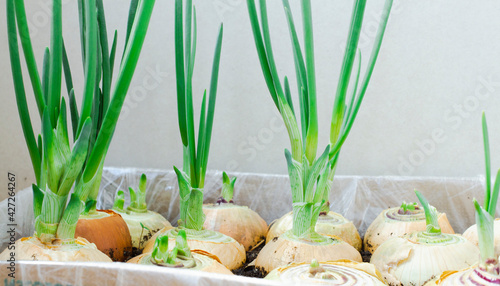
(250, 271)
(366, 255)
(130, 254)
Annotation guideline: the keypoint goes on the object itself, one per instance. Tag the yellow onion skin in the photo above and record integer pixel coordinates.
(286, 249)
(151, 220)
(472, 276)
(230, 252)
(408, 260)
(471, 235)
(108, 231)
(344, 272)
(31, 248)
(332, 225)
(239, 222)
(390, 224)
(203, 263)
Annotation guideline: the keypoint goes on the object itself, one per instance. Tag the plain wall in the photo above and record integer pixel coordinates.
(438, 69)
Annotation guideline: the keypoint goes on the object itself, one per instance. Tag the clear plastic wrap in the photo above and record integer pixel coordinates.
(359, 199)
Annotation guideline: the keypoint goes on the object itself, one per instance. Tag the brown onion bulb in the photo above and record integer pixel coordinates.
(108, 231)
(31, 248)
(393, 223)
(239, 222)
(331, 224)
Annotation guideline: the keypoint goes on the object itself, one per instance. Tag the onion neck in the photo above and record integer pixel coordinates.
(491, 266)
(191, 203)
(305, 216)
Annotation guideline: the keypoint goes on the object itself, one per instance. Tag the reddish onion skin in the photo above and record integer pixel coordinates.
(109, 233)
(484, 275)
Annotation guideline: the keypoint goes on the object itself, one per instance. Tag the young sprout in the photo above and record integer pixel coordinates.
(179, 256)
(138, 199)
(227, 189)
(141, 222)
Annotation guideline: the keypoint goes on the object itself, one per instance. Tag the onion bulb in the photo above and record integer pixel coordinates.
(79, 249)
(416, 258)
(239, 222)
(288, 249)
(230, 252)
(108, 231)
(342, 272)
(396, 222)
(180, 256)
(142, 226)
(329, 224)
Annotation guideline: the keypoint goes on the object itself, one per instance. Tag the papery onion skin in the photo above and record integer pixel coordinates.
(108, 231)
(230, 252)
(390, 224)
(31, 248)
(286, 249)
(347, 273)
(405, 261)
(471, 235)
(332, 225)
(151, 220)
(203, 263)
(239, 222)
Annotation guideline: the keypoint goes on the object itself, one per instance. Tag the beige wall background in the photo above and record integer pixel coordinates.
(437, 71)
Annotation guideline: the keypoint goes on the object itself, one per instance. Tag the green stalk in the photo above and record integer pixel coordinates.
(29, 56)
(312, 129)
(22, 105)
(195, 157)
(90, 61)
(120, 90)
(345, 73)
(431, 215)
(55, 74)
(487, 162)
(485, 231)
